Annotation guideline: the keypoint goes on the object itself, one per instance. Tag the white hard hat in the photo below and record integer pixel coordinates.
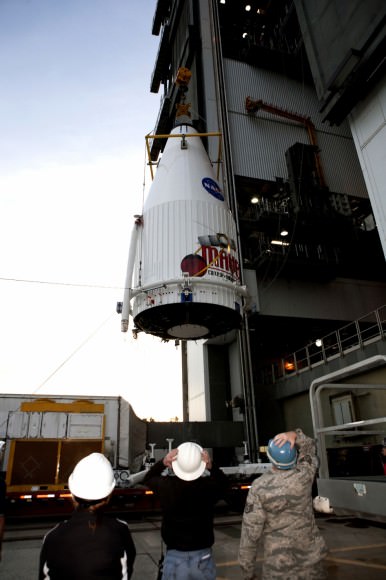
(189, 464)
(92, 478)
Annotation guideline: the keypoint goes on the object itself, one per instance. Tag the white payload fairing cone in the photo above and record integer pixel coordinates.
(183, 278)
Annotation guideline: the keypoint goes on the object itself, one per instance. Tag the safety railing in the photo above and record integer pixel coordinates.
(352, 336)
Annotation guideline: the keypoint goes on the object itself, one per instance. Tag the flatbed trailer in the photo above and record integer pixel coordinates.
(45, 438)
(136, 500)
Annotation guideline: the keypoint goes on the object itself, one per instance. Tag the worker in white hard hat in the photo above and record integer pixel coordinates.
(188, 486)
(89, 544)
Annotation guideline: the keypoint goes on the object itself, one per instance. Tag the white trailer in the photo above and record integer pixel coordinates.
(45, 438)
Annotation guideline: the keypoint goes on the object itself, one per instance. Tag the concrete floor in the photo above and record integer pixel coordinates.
(357, 549)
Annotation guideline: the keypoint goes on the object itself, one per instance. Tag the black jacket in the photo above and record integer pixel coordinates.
(87, 547)
(187, 506)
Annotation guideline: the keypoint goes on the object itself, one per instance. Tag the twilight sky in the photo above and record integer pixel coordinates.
(75, 106)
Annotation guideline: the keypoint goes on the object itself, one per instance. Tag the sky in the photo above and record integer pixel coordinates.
(75, 106)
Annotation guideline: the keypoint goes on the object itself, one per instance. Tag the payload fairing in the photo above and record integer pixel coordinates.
(183, 274)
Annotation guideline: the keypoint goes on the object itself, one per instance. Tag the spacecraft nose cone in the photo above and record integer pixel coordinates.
(187, 273)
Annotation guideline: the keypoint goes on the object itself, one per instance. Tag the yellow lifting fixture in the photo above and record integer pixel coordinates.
(182, 109)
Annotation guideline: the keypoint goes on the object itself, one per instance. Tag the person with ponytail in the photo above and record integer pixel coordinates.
(89, 545)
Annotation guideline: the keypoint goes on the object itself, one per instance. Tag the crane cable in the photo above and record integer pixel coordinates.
(78, 348)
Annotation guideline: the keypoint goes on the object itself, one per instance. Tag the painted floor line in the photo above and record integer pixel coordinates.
(227, 564)
(356, 563)
(233, 563)
(366, 547)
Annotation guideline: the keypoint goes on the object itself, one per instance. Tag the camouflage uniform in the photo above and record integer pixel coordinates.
(279, 509)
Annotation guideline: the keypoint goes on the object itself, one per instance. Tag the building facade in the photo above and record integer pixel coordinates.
(298, 92)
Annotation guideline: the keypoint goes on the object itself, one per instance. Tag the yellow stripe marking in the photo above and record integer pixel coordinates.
(346, 561)
(226, 564)
(356, 563)
(233, 563)
(348, 548)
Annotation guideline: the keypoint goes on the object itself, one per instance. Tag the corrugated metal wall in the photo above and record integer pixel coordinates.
(369, 130)
(259, 141)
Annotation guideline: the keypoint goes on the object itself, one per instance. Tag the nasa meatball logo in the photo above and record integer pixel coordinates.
(194, 265)
(212, 187)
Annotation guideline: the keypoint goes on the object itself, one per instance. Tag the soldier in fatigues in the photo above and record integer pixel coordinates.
(279, 510)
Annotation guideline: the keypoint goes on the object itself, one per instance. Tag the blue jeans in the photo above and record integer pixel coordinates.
(195, 565)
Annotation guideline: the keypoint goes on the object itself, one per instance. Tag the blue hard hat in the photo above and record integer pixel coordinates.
(282, 457)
